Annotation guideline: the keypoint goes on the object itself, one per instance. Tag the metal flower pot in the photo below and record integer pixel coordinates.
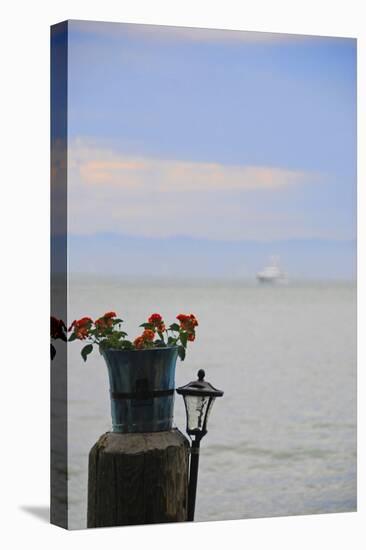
(141, 388)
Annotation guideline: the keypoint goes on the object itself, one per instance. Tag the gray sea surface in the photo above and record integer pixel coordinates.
(282, 440)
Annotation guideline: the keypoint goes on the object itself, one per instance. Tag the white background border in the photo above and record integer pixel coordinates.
(24, 398)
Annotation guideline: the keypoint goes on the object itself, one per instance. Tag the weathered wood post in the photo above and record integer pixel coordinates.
(138, 478)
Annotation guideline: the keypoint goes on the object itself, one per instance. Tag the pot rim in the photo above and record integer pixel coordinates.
(141, 350)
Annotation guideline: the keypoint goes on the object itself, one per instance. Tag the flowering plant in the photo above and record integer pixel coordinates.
(58, 332)
(106, 332)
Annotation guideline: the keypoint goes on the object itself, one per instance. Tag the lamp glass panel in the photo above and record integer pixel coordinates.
(210, 408)
(196, 411)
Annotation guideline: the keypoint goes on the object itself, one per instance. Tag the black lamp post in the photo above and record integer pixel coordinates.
(199, 397)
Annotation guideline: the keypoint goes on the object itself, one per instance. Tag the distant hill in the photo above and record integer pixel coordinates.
(182, 256)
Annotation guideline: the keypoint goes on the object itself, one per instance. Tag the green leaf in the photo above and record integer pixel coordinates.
(175, 327)
(72, 337)
(181, 352)
(53, 351)
(171, 341)
(147, 325)
(86, 350)
(115, 321)
(183, 338)
(126, 344)
(115, 337)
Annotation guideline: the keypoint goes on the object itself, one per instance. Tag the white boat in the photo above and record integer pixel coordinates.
(272, 274)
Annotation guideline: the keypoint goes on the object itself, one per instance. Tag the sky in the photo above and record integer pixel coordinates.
(210, 134)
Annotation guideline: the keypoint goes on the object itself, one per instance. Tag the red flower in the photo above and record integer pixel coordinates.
(106, 321)
(83, 322)
(187, 322)
(155, 318)
(102, 323)
(81, 333)
(110, 314)
(194, 320)
(139, 342)
(148, 335)
(157, 321)
(81, 327)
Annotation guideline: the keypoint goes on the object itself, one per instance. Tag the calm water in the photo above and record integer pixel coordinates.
(282, 440)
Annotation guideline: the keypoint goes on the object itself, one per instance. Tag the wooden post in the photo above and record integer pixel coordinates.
(138, 478)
